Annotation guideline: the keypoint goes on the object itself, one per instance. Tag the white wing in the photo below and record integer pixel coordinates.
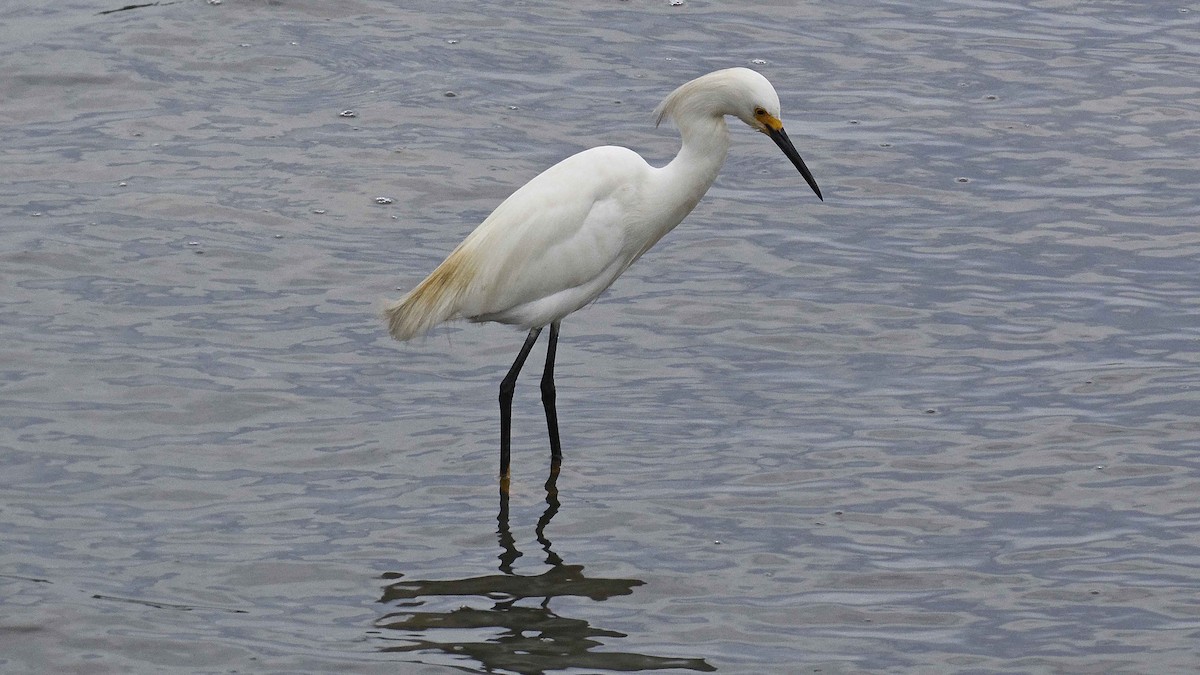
(557, 242)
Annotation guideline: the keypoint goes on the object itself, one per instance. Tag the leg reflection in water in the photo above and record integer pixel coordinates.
(508, 545)
(504, 621)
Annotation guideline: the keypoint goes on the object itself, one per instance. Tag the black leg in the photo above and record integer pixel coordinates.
(507, 385)
(548, 398)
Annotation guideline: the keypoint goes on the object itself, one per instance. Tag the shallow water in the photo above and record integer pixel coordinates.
(942, 422)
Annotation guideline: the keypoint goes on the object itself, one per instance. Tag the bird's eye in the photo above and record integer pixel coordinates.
(759, 112)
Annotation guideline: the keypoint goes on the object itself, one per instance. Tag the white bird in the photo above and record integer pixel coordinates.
(564, 237)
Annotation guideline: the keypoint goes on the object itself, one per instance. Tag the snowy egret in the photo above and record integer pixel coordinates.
(561, 239)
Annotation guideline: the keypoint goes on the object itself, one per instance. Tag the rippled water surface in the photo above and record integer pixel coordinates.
(944, 421)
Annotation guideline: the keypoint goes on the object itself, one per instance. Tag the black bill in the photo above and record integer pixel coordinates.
(781, 139)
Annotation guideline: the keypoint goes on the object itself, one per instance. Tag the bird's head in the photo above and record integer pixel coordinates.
(742, 93)
(759, 108)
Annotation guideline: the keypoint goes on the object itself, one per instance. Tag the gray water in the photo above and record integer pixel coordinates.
(944, 421)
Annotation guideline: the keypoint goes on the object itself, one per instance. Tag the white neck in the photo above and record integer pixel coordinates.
(692, 172)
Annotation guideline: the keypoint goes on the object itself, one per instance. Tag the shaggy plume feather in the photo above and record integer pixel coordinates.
(712, 95)
(434, 300)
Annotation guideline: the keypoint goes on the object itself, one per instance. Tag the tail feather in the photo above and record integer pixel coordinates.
(434, 300)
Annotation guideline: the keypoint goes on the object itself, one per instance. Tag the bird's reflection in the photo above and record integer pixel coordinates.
(514, 629)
